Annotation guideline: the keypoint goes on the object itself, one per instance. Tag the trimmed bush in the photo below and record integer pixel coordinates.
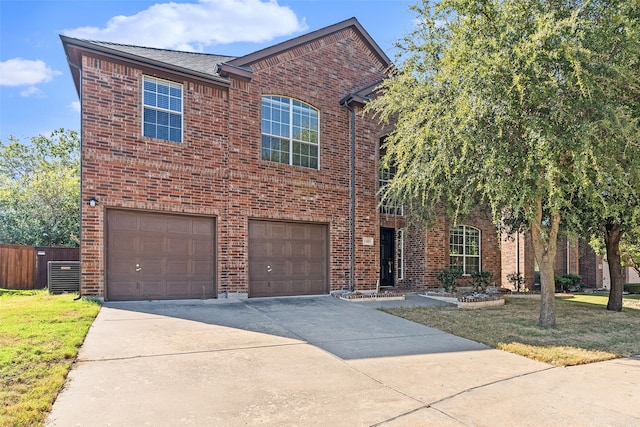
(568, 282)
(632, 288)
(480, 280)
(448, 278)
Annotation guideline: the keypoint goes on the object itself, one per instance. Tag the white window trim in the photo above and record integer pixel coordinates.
(464, 248)
(169, 83)
(290, 138)
(400, 253)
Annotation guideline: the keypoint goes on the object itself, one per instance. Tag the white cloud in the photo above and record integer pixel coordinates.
(25, 72)
(75, 106)
(31, 91)
(192, 26)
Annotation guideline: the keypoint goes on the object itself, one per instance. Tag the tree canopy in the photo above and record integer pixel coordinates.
(510, 101)
(40, 190)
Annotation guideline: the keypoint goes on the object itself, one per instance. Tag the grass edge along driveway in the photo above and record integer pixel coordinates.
(40, 335)
(585, 331)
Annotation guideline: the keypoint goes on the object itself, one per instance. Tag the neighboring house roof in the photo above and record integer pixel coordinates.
(203, 65)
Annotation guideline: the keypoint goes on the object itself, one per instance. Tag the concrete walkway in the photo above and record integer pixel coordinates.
(320, 361)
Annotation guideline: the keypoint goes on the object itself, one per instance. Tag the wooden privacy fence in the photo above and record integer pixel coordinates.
(25, 267)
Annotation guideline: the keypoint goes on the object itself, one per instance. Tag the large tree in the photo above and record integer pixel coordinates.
(40, 190)
(489, 99)
(610, 192)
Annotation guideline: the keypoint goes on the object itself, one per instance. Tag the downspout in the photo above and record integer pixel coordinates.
(71, 64)
(352, 207)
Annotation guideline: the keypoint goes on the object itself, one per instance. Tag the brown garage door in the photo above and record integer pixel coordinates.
(159, 256)
(287, 259)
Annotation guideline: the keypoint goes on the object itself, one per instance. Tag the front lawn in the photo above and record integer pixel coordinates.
(39, 339)
(585, 332)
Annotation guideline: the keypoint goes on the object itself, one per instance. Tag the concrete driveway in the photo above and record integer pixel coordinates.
(320, 361)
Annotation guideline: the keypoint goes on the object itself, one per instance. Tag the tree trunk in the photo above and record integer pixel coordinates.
(545, 247)
(612, 235)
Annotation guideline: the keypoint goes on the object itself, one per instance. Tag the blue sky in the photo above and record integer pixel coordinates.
(36, 90)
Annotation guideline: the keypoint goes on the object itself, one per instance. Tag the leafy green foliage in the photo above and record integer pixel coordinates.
(517, 280)
(512, 102)
(480, 280)
(568, 282)
(448, 277)
(632, 288)
(40, 190)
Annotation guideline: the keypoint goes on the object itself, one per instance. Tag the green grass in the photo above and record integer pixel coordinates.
(585, 332)
(39, 339)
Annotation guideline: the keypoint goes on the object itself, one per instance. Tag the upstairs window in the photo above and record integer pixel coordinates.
(290, 132)
(162, 115)
(464, 249)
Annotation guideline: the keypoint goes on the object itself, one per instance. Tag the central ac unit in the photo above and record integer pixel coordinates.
(63, 276)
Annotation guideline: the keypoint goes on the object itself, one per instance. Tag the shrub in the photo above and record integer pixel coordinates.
(480, 280)
(448, 278)
(568, 282)
(632, 288)
(517, 280)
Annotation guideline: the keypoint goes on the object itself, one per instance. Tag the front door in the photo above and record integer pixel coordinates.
(387, 259)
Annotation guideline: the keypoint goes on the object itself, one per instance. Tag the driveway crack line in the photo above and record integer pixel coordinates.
(430, 405)
(184, 353)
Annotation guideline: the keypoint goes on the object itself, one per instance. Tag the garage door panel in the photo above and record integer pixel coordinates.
(179, 225)
(318, 234)
(299, 232)
(164, 246)
(153, 289)
(315, 268)
(292, 256)
(299, 250)
(299, 268)
(153, 267)
(316, 249)
(123, 223)
(154, 223)
(277, 248)
(202, 268)
(151, 244)
(178, 246)
(126, 289)
(123, 243)
(177, 267)
(202, 226)
(123, 266)
(278, 230)
(202, 247)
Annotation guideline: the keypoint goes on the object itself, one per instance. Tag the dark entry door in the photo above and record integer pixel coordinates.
(387, 259)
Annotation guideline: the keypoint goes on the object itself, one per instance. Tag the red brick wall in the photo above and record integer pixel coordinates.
(514, 248)
(123, 169)
(427, 250)
(217, 170)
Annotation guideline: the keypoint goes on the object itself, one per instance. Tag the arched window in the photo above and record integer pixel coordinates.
(464, 248)
(290, 132)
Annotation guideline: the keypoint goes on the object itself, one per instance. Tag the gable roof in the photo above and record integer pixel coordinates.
(309, 37)
(202, 65)
(212, 67)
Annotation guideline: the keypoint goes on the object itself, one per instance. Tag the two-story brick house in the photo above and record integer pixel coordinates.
(207, 176)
